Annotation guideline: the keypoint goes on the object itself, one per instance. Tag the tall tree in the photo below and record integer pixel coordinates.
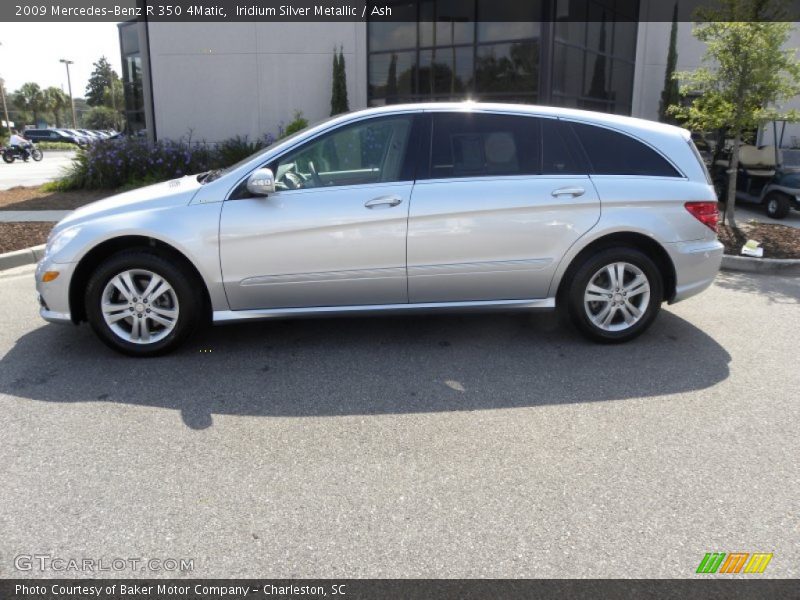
(29, 97)
(335, 84)
(103, 76)
(56, 101)
(339, 102)
(113, 95)
(670, 94)
(102, 117)
(343, 76)
(746, 73)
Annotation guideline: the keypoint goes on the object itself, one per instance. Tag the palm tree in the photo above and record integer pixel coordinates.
(30, 98)
(56, 101)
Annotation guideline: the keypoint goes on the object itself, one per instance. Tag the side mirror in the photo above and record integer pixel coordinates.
(261, 182)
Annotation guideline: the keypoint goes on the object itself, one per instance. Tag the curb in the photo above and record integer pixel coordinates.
(18, 258)
(779, 266)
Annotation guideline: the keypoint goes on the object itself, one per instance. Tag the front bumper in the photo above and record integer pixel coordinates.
(696, 265)
(54, 295)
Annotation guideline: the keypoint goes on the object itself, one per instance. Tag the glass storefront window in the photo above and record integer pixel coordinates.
(445, 52)
(507, 67)
(392, 36)
(446, 70)
(392, 75)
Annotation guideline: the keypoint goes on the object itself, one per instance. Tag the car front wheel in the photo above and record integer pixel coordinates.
(615, 295)
(141, 304)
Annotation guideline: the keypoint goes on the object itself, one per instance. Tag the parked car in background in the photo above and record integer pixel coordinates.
(80, 138)
(405, 208)
(52, 135)
(90, 134)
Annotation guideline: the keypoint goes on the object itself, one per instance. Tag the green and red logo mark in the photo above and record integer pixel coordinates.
(734, 562)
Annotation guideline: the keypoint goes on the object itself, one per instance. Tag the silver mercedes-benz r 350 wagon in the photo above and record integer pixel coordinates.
(401, 209)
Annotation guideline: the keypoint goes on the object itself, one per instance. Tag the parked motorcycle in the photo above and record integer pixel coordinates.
(11, 153)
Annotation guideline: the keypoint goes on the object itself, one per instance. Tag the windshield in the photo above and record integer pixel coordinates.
(216, 174)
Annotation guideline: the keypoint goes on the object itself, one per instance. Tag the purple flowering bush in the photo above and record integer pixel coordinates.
(133, 161)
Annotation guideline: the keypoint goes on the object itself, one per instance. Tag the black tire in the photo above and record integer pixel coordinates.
(589, 270)
(189, 303)
(8, 157)
(37, 154)
(777, 205)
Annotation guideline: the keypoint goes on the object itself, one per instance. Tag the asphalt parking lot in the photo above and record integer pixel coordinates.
(452, 446)
(34, 173)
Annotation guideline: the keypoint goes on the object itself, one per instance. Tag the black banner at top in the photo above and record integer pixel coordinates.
(383, 11)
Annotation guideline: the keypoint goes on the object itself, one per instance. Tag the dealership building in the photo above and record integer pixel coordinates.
(212, 81)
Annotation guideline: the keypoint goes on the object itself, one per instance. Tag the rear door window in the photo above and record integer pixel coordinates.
(614, 153)
(559, 157)
(480, 144)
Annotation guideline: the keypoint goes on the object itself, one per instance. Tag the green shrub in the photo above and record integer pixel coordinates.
(55, 146)
(296, 125)
(130, 162)
(59, 185)
(237, 148)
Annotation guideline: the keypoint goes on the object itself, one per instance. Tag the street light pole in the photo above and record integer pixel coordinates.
(69, 87)
(5, 108)
(3, 96)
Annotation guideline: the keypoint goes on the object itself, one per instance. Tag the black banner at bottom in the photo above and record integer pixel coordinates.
(390, 589)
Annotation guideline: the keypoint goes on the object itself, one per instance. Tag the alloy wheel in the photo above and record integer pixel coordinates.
(617, 296)
(139, 306)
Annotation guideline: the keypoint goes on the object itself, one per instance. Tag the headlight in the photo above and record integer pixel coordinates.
(56, 243)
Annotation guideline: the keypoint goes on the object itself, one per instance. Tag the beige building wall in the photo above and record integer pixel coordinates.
(217, 80)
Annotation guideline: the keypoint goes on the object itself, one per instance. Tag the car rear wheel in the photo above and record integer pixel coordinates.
(141, 304)
(615, 295)
(777, 205)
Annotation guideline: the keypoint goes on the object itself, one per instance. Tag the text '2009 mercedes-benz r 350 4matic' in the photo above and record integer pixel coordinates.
(401, 209)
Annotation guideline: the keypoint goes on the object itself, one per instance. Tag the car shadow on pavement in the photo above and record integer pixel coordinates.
(390, 365)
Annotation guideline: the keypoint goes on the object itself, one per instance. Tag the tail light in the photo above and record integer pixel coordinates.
(705, 212)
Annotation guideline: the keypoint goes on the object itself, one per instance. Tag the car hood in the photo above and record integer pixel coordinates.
(152, 197)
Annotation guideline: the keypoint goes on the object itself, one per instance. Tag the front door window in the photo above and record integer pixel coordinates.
(367, 152)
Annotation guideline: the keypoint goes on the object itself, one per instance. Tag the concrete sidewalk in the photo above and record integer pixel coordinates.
(18, 216)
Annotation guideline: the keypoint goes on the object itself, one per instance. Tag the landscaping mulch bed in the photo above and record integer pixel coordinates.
(34, 198)
(778, 241)
(16, 236)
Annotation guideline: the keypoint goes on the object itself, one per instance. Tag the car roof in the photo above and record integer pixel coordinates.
(600, 118)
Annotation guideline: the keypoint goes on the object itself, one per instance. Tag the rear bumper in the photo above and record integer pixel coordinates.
(696, 265)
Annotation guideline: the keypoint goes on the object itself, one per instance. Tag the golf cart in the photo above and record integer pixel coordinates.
(762, 177)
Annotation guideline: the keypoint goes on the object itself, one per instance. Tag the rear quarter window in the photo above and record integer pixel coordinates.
(613, 153)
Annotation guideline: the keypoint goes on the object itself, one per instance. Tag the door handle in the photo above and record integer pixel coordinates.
(383, 202)
(568, 191)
